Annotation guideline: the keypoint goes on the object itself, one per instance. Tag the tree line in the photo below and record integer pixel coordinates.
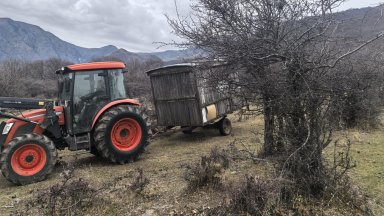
(37, 79)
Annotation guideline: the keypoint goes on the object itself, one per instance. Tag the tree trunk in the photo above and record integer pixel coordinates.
(269, 127)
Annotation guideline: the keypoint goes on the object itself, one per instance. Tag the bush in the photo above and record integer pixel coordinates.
(206, 171)
(139, 182)
(250, 196)
(77, 196)
(69, 197)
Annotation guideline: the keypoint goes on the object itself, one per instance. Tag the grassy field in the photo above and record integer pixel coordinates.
(164, 164)
(368, 152)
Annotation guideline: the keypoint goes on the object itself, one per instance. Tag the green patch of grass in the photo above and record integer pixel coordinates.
(369, 173)
(368, 152)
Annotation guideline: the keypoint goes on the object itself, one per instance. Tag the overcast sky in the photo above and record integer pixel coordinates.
(130, 24)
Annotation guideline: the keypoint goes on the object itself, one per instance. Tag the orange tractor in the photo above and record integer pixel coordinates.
(91, 113)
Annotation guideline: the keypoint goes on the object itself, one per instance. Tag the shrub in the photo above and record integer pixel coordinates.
(77, 196)
(250, 196)
(69, 197)
(206, 171)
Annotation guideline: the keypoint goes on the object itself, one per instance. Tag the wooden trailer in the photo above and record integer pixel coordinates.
(183, 97)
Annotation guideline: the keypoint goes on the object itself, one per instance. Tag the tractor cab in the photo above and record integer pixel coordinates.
(84, 89)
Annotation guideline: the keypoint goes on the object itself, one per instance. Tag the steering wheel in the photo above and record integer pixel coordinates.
(93, 95)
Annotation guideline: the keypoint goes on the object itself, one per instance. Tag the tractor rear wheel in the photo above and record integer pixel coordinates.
(28, 159)
(122, 134)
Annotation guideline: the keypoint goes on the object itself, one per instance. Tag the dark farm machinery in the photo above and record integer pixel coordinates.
(91, 113)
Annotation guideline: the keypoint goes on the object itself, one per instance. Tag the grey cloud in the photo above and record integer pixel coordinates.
(130, 24)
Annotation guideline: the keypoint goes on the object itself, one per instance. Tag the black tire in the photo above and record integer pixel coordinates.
(10, 166)
(93, 150)
(225, 127)
(103, 133)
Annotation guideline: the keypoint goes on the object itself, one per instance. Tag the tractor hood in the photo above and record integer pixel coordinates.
(38, 114)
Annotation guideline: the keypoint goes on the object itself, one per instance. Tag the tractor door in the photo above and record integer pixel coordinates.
(90, 94)
(65, 98)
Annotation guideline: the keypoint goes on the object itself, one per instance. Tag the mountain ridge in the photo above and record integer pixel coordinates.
(20, 40)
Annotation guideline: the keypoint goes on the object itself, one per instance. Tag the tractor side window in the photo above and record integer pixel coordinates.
(117, 84)
(89, 95)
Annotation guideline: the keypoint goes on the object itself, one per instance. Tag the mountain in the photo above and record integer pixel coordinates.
(25, 41)
(21, 40)
(173, 55)
(29, 42)
(127, 56)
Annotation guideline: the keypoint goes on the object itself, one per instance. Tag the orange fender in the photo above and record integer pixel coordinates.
(112, 104)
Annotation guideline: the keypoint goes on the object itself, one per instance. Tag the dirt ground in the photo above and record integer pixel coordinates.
(164, 165)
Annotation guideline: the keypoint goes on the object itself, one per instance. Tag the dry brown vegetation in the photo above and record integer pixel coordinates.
(156, 185)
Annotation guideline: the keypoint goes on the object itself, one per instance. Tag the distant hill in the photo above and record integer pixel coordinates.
(127, 56)
(29, 42)
(19, 40)
(173, 55)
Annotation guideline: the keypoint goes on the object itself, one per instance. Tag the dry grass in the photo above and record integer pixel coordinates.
(164, 165)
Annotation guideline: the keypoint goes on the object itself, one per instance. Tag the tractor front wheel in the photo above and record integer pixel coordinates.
(122, 134)
(28, 159)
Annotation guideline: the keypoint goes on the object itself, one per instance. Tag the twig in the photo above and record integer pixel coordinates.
(297, 150)
(251, 154)
(353, 51)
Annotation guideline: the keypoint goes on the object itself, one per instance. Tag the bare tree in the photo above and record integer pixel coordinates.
(288, 51)
(20, 78)
(11, 75)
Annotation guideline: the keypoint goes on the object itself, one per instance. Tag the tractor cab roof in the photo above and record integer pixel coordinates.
(91, 66)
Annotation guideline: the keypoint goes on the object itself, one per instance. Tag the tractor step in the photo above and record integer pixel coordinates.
(79, 142)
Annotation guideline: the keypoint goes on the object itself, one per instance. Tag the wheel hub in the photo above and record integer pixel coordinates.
(126, 134)
(28, 159)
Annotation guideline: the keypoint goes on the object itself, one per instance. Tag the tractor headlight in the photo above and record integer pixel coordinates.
(7, 128)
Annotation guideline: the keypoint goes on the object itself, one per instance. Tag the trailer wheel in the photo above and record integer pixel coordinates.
(225, 126)
(122, 134)
(188, 130)
(28, 159)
